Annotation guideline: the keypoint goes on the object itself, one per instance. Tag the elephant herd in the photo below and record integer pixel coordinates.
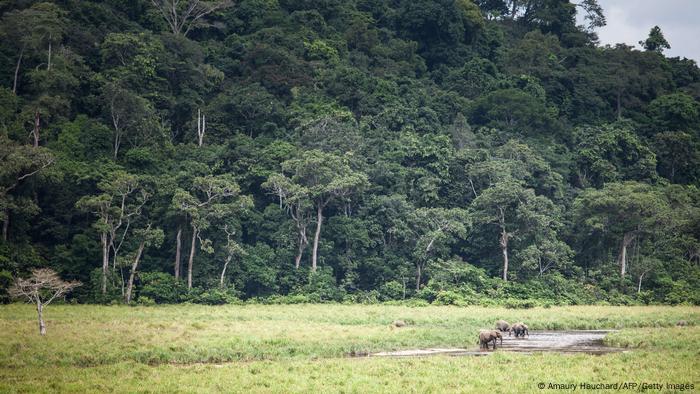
(487, 336)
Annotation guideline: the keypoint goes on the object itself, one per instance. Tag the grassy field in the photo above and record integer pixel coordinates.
(301, 348)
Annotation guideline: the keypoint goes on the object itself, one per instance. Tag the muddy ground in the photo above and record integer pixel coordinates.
(590, 342)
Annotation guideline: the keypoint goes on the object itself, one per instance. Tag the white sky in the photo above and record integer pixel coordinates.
(629, 21)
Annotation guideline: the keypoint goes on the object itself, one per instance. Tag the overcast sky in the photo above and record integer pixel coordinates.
(629, 21)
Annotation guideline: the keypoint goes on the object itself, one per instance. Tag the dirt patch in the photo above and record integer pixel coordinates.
(589, 342)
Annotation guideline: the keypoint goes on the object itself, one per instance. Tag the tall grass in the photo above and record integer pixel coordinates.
(89, 335)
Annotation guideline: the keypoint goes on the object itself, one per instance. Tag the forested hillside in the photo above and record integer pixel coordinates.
(454, 151)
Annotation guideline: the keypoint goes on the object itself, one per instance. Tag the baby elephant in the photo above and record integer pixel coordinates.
(520, 329)
(503, 326)
(486, 336)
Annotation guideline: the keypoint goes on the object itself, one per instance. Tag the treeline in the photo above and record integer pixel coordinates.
(454, 151)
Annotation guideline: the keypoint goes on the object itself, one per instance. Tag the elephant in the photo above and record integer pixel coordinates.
(520, 329)
(399, 323)
(503, 326)
(486, 336)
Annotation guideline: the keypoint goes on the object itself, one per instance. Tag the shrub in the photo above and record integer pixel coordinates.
(216, 297)
(321, 287)
(146, 301)
(392, 290)
(646, 297)
(113, 294)
(682, 293)
(410, 302)
(449, 297)
(5, 283)
(514, 303)
(362, 297)
(162, 288)
(283, 299)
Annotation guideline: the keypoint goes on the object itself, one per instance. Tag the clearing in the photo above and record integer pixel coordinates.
(304, 348)
(575, 341)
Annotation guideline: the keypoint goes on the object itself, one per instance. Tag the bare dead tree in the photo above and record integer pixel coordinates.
(41, 288)
(201, 127)
(182, 16)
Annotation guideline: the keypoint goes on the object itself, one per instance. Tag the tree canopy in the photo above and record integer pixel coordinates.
(447, 150)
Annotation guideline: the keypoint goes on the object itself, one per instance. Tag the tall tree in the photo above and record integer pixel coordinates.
(130, 115)
(435, 229)
(211, 196)
(624, 212)
(33, 31)
(232, 248)
(184, 15)
(148, 237)
(296, 200)
(324, 177)
(19, 162)
(516, 212)
(656, 42)
(116, 207)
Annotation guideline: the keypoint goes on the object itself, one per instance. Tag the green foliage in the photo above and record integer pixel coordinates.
(675, 112)
(146, 301)
(612, 153)
(215, 297)
(392, 290)
(656, 41)
(321, 287)
(161, 288)
(683, 293)
(113, 293)
(512, 109)
(401, 149)
(5, 283)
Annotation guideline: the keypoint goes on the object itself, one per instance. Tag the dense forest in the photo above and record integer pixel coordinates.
(445, 151)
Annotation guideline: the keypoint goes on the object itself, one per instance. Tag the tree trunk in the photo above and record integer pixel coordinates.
(626, 241)
(418, 276)
(37, 127)
(223, 271)
(178, 249)
(105, 261)
(297, 260)
(302, 244)
(117, 143)
(619, 105)
(504, 249)
(19, 62)
(639, 284)
(317, 236)
(48, 65)
(135, 265)
(40, 312)
(6, 225)
(195, 232)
